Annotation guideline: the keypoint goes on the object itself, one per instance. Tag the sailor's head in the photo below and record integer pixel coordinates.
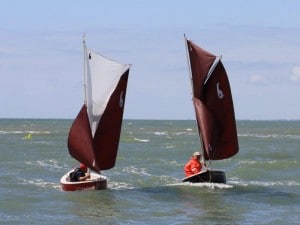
(197, 155)
(83, 167)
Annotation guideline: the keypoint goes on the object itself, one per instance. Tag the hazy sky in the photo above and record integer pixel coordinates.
(41, 60)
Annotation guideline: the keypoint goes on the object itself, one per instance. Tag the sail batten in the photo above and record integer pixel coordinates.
(95, 133)
(213, 104)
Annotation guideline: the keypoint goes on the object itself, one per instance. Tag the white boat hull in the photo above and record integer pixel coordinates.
(96, 182)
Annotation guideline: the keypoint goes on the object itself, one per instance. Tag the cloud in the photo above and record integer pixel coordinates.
(257, 79)
(295, 74)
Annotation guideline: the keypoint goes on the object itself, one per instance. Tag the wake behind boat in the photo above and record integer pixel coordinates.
(214, 111)
(95, 133)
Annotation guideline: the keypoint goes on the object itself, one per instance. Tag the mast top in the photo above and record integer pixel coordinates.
(83, 38)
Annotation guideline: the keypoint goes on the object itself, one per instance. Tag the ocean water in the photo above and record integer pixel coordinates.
(263, 181)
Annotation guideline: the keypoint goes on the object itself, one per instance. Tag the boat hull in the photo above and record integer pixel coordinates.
(208, 176)
(96, 182)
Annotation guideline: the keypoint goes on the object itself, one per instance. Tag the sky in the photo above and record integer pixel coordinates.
(41, 58)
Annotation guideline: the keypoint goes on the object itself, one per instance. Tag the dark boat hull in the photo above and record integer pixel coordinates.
(208, 176)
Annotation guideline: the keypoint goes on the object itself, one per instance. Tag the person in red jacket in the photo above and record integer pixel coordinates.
(194, 165)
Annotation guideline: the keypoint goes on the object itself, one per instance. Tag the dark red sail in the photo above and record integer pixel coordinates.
(107, 136)
(213, 104)
(80, 140)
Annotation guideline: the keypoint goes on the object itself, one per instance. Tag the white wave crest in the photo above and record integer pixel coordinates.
(40, 183)
(160, 133)
(203, 185)
(51, 164)
(137, 171)
(141, 140)
(265, 183)
(273, 136)
(24, 132)
(119, 186)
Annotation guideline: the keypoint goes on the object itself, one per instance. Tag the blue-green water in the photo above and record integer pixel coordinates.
(144, 188)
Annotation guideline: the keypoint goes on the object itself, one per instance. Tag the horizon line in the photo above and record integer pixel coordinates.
(146, 119)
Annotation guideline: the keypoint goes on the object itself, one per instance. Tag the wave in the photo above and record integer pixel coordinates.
(252, 162)
(273, 136)
(160, 133)
(203, 185)
(24, 132)
(141, 140)
(119, 186)
(137, 171)
(51, 164)
(232, 184)
(265, 183)
(40, 183)
(170, 146)
(187, 131)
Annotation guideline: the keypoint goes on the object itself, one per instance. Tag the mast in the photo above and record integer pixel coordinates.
(191, 80)
(189, 62)
(84, 70)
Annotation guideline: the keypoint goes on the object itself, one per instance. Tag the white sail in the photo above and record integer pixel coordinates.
(101, 78)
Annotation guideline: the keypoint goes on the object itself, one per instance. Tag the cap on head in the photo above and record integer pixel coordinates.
(83, 167)
(196, 154)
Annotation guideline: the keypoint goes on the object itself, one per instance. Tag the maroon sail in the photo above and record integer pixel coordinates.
(80, 140)
(95, 133)
(107, 136)
(213, 104)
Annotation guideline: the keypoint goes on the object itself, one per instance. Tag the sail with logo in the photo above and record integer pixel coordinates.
(95, 133)
(214, 110)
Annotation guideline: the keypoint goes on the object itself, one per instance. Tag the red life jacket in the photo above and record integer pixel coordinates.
(192, 167)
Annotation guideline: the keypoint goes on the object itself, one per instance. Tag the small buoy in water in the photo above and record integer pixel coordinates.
(28, 137)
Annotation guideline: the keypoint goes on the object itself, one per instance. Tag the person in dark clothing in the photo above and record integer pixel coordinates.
(79, 174)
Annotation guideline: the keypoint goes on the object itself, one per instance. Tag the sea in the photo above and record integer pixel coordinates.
(144, 187)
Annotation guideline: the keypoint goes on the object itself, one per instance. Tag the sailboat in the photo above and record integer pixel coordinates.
(95, 133)
(214, 111)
